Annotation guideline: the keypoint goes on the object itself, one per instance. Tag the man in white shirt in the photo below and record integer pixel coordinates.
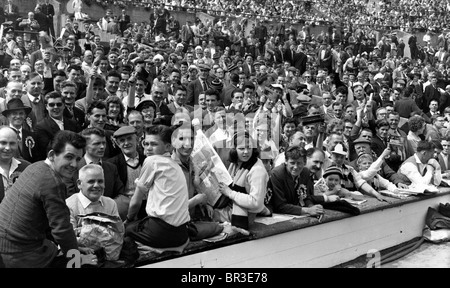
(90, 199)
(422, 168)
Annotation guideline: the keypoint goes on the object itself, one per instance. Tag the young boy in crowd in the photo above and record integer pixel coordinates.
(162, 182)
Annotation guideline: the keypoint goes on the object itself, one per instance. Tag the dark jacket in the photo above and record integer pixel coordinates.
(121, 164)
(285, 198)
(46, 129)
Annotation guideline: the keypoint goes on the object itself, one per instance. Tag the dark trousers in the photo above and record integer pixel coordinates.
(156, 233)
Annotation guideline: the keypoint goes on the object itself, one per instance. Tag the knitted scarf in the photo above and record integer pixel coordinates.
(239, 216)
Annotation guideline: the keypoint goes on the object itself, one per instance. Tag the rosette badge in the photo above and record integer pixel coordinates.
(29, 142)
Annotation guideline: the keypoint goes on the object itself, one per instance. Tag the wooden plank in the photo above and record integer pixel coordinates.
(323, 245)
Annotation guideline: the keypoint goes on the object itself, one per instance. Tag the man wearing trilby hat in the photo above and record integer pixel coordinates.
(16, 113)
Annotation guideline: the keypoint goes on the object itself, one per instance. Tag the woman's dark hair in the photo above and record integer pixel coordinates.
(233, 156)
(116, 100)
(64, 137)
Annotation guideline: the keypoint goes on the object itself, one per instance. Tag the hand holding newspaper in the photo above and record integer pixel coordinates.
(209, 168)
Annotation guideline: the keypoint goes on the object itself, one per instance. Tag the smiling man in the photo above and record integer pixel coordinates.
(35, 205)
(129, 164)
(52, 123)
(292, 187)
(95, 151)
(10, 167)
(16, 113)
(90, 199)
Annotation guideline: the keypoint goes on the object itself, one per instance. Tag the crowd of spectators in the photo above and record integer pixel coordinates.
(300, 120)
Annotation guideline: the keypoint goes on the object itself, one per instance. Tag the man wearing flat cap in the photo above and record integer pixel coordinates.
(128, 164)
(201, 84)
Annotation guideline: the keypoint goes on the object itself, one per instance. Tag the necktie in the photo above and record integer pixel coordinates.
(19, 138)
(70, 109)
(36, 100)
(205, 87)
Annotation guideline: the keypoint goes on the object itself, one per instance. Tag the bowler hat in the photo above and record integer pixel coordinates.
(15, 104)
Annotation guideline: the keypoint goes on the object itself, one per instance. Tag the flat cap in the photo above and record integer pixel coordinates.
(124, 130)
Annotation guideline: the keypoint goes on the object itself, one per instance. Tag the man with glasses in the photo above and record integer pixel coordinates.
(55, 121)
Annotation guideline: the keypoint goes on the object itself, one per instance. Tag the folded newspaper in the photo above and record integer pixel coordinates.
(211, 169)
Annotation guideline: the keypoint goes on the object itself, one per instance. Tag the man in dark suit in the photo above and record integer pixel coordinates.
(49, 11)
(44, 44)
(180, 98)
(247, 66)
(291, 55)
(324, 56)
(160, 24)
(412, 42)
(228, 90)
(11, 11)
(336, 37)
(130, 160)
(15, 114)
(69, 93)
(124, 20)
(279, 54)
(52, 123)
(202, 84)
(95, 149)
(96, 117)
(261, 35)
(431, 93)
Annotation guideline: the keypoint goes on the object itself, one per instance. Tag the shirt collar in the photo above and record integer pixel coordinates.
(85, 202)
(18, 130)
(128, 158)
(418, 160)
(57, 120)
(32, 98)
(89, 160)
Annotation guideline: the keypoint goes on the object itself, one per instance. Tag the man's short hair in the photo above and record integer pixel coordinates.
(86, 133)
(60, 73)
(64, 137)
(96, 104)
(213, 92)
(424, 146)
(89, 167)
(295, 153)
(113, 73)
(52, 95)
(68, 83)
